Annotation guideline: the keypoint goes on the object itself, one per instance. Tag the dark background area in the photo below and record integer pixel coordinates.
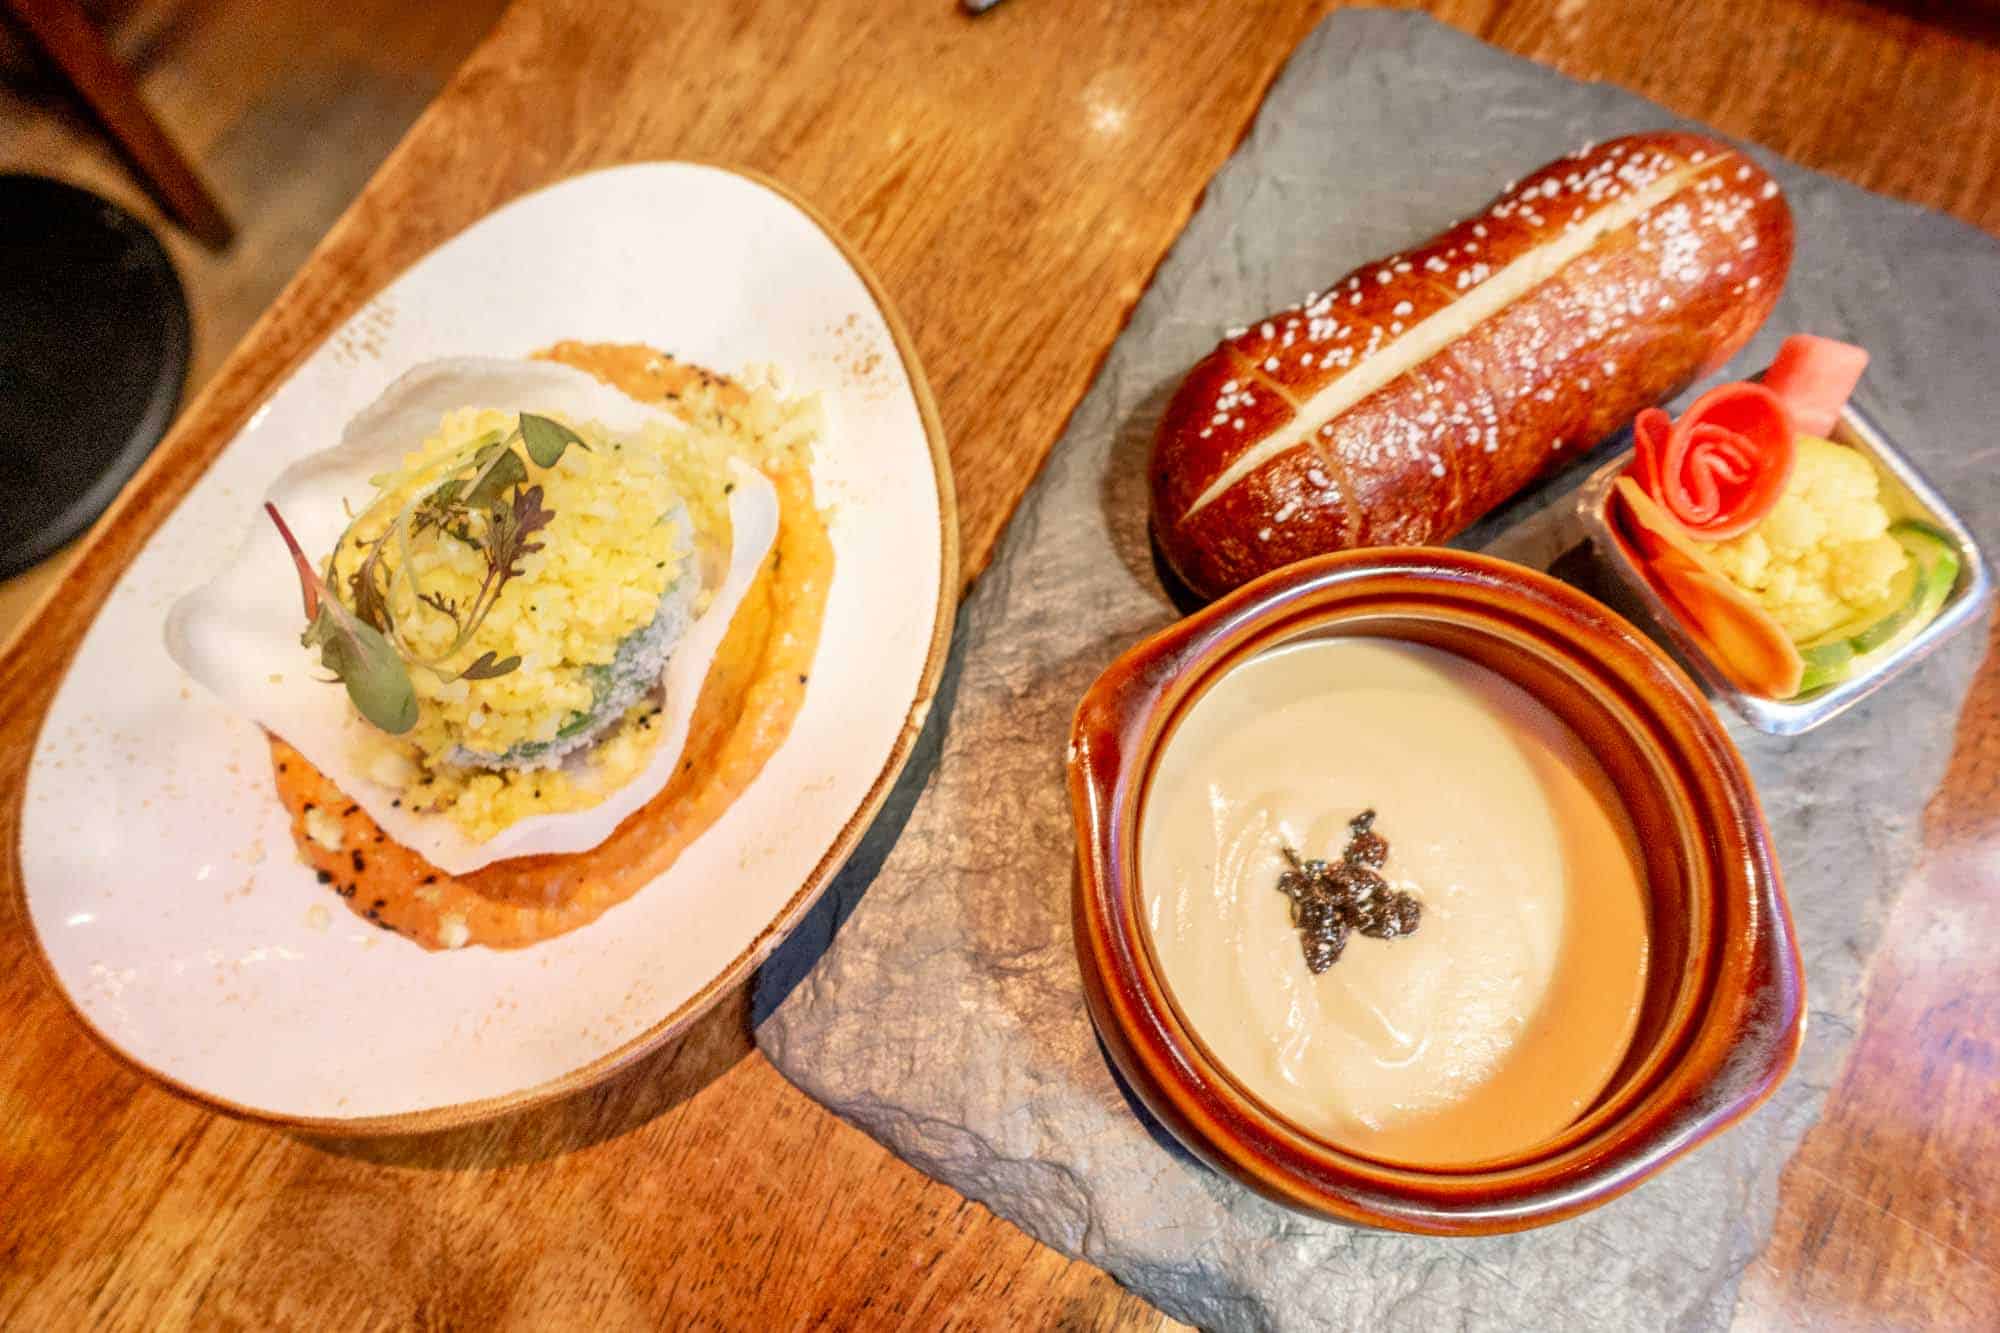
(286, 108)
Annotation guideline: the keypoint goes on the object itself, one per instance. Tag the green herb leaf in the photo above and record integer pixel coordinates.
(546, 439)
(437, 510)
(368, 594)
(509, 534)
(375, 677)
(501, 471)
(443, 605)
(489, 507)
(486, 667)
(377, 681)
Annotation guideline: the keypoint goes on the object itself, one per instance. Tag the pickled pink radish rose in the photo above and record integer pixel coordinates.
(1814, 377)
(1720, 468)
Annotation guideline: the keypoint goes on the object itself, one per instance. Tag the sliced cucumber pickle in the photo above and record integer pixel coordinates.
(1904, 596)
(1914, 600)
(1937, 558)
(1825, 659)
(1826, 664)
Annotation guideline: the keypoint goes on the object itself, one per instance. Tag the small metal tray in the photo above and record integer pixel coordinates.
(1906, 494)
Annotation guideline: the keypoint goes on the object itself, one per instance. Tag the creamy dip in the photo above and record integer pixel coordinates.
(1505, 1014)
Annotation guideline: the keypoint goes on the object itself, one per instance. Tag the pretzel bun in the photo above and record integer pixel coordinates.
(1421, 390)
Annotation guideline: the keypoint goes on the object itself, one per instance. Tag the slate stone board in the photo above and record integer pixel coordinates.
(933, 998)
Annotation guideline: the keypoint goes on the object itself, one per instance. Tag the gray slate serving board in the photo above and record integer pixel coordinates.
(933, 997)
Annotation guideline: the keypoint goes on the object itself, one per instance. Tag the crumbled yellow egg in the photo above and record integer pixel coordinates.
(607, 558)
(485, 801)
(1823, 555)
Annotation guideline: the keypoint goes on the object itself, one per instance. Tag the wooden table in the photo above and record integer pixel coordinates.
(1014, 180)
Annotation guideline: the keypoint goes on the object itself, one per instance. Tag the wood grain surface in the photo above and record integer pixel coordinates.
(71, 41)
(1014, 179)
(287, 117)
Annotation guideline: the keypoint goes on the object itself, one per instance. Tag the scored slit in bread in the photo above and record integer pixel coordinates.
(1420, 390)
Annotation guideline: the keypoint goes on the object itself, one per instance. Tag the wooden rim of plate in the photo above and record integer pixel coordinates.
(458, 1114)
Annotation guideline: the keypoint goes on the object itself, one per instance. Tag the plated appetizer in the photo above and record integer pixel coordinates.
(163, 882)
(1787, 553)
(548, 618)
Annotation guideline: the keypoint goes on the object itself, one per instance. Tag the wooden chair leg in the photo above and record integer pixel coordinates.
(65, 34)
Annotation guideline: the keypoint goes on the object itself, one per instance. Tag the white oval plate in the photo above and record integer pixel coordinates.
(158, 869)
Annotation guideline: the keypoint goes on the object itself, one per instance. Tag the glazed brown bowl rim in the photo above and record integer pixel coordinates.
(1723, 1051)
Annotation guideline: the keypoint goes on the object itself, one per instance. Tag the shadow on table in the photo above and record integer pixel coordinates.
(800, 953)
(1152, 1124)
(1978, 20)
(662, 1079)
(652, 1085)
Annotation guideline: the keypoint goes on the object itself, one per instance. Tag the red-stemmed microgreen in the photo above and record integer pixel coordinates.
(356, 652)
(482, 500)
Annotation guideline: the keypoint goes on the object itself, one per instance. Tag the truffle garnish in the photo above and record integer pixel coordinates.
(1332, 899)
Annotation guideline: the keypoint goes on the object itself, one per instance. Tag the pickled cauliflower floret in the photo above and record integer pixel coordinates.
(1823, 555)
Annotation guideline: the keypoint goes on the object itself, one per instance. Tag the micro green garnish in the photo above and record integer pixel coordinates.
(356, 652)
(481, 499)
(547, 439)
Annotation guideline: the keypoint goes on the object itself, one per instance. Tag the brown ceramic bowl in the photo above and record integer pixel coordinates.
(1723, 1013)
